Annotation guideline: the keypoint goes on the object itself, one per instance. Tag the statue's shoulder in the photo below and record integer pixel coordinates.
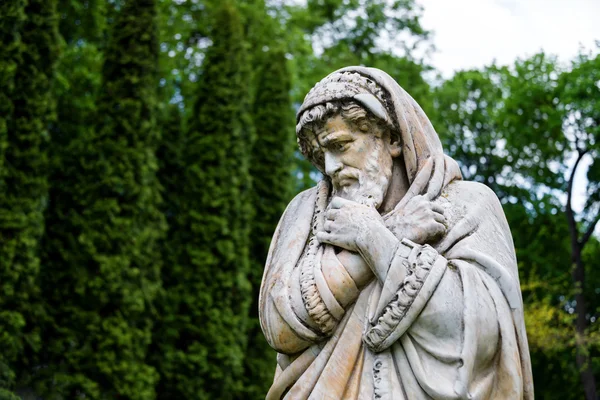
(469, 193)
(302, 200)
(295, 220)
(301, 207)
(470, 199)
(304, 196)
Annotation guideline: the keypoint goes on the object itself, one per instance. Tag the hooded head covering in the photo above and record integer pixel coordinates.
(427, 168)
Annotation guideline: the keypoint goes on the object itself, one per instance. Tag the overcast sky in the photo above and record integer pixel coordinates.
(472, 33)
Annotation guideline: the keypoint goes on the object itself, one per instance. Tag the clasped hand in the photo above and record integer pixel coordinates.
(420, 220)
(361, 229)
(349, 225)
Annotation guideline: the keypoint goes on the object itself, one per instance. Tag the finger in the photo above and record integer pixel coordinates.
(416, 200)
(439, 218)
(339, 202)
(420, 203)
(332, 214)
(324, 237)
(327, 226)
(437, 208)
(438, 229)
(334, 240)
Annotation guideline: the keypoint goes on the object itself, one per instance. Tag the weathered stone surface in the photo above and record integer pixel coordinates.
(392, 278)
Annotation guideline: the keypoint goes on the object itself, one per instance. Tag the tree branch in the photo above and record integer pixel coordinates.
(569, 208)
(580, 154)
(590, 230)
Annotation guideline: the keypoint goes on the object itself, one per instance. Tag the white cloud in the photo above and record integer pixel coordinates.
(473, 33)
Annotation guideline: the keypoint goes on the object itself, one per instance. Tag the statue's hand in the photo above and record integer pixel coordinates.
(348, 224)
(420, 220)
(361, 229)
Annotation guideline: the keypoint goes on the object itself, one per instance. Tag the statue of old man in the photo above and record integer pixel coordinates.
(392, 278)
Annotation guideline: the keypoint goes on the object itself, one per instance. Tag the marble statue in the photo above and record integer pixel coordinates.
(392, 278)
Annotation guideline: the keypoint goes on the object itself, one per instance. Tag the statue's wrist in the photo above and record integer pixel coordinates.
(377, 248)
(401, 232)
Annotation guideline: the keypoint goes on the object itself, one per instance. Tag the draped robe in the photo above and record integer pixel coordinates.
(452, 328)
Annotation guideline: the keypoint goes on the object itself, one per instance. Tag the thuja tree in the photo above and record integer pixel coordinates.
(271, 170)
(103, 266)
(207, 294)
(12, 14)
(28, 55)
(78, 78)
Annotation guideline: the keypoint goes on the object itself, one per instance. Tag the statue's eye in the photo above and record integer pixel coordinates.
(316, 153)
(341, 146)
(364, 126)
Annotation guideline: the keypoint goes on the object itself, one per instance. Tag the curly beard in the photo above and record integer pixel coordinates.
(367, 186)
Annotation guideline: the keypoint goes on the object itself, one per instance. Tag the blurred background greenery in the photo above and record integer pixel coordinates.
(147, 150)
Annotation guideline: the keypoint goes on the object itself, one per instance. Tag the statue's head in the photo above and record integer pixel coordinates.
(345, 130)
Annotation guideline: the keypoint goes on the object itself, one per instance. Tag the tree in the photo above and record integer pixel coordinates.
(525, 130)
(102, 261)
(579, 103)
(271, 171)
(345, 33)
(85, 21)
(552, 117)
(11, 322)
(28, 56)
(202, 337)
(13, 16)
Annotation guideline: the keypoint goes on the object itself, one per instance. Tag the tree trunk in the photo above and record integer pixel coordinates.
(584, 361)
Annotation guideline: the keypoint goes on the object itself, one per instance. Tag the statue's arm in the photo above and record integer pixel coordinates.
(417, 272)
(302, 302)
(292, 323)
(413, 275)
(279, 300)
(345, 273)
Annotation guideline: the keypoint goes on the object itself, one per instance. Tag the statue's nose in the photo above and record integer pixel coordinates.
(332, 164)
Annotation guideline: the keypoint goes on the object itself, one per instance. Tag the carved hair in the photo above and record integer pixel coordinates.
(315, 117)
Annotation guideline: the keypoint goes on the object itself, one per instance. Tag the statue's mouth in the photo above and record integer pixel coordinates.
(345, 178)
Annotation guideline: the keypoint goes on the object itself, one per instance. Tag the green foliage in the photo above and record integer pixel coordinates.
(578, 102)
(11, 322)
(83, 21)
(543, 253)
(466, 115)
(29, 52)
(376, 33)
(271, 169)
(102, 265)
(202, 337)
(13, 15)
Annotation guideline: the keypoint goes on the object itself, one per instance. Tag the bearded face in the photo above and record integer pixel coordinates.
(356, 159)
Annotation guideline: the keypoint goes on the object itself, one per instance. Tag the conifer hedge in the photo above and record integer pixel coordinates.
(103, 263)
(29, 50)
(271, 170)
(207, 293)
